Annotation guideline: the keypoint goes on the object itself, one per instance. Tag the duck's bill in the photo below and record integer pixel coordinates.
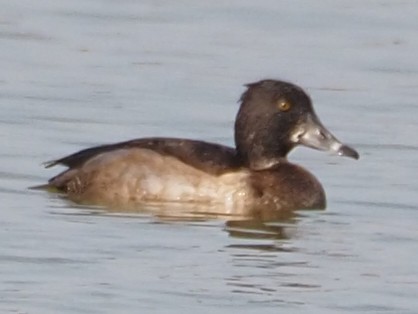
(313, 134)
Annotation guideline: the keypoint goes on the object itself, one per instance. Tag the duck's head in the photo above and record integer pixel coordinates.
(276, 116)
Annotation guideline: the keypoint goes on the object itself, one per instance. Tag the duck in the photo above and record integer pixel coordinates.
(274, 117)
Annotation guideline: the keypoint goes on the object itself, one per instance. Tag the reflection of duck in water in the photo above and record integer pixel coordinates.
(259, 229)
(274, 117)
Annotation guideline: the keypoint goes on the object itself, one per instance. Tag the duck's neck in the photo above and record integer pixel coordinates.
(260, 159)
(258, 152)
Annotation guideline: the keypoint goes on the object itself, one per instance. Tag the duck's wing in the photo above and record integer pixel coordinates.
(209, 157)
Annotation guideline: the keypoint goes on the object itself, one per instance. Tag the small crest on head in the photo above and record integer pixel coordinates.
(275, 87)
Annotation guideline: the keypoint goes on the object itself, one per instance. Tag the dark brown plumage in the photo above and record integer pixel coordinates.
(274, 117)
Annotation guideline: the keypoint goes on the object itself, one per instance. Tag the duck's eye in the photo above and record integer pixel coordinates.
(283, 105)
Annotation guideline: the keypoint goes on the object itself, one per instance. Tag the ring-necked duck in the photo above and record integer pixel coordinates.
(274, 117)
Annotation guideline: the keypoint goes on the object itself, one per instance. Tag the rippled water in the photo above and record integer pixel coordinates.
(82, 73)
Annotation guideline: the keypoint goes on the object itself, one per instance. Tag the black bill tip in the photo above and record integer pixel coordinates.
(347, 151)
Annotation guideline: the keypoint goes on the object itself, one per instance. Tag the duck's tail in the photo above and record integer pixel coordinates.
(45, 187)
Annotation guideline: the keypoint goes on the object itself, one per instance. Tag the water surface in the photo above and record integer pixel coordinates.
(82, 73)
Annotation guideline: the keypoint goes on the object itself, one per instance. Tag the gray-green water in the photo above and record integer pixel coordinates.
(81, 73)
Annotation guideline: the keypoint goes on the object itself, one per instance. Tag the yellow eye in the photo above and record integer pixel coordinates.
(283, 105)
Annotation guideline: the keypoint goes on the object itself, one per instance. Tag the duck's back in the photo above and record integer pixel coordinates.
(210, 157)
